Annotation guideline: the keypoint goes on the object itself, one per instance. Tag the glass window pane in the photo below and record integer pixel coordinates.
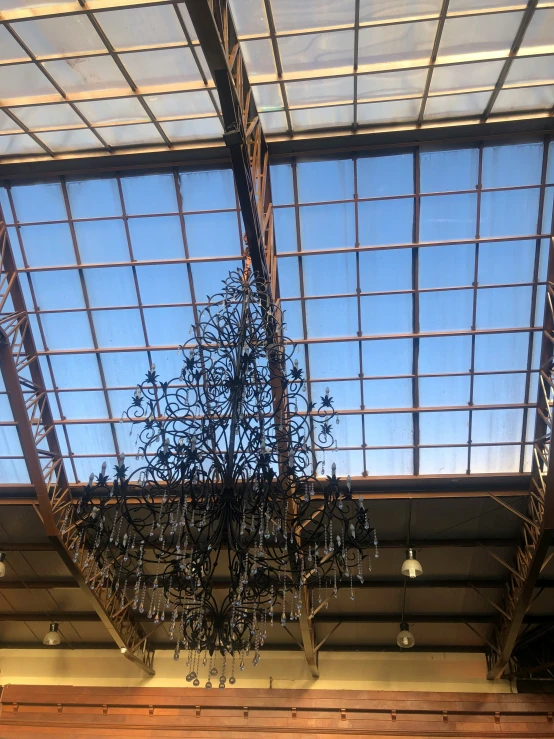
(327, 226)
(388, 393)
(70, 140)
(76, 371)
(447, 266)
(163, 231)
(292, 16)
(196, 128)
(144, 133)
(48, 245)
(449, 310)
(518, 99)
(385, 175)
(326, 180)
(449, 106)
(118, 328)
(311, 92)
(478, 35)
(149, 194)
(538, 37)
(289, 278)
(282, 190)
(86, 74)
(24, 80)
(445, 217)
(142, 27)
(489, 459)
(41, 202)
(512, 166)
(345, 395)
(110, 286)
(208, 276)
(397, 42)
(444, 354)
(443, 461)
(383, 222)
(500, 352)
(118, 110)
(163, 283)
(389, 111)
(391, 84)
(449, 169)
(499, 389)
(340, 359)
(465, 76)
(213, 235)
(58, 289)
(124, 369)
(332, 317)
(180, 104)
(329, 274)
(443, 391)
(168, 326)
(444, 427)
(94, 198)
(102, 241)
(386, 314)
(503, 307)
(59, 36)
(533, 69)
(340, 115)
(48, 116)
(497, 425)
(389, 429)
(258, 57)
(506, 262)
(249, 17)
(387, 462)
(385, 269)
(161, 67)
(317, 51)
(284, 223)
(210, 190)
(509, 213)
(67, 331)
(387, 357)
(91, 404)
(268, 97)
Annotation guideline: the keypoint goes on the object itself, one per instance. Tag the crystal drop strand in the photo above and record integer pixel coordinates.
(137, 593)
(232, 679)
(272, 595)
(326, 594)
(351, 590)
(142, 597)
(375, 544)
(335, 586)
(360, 568)
(312, 614)
(172, 625)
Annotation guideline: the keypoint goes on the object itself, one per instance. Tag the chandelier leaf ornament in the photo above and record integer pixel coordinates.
(228, 518)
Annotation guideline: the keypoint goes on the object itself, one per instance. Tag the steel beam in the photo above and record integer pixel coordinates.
(538, 522)
(29, 404)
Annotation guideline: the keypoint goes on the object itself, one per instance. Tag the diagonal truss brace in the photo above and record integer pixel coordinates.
(28, 399)
(538, 521)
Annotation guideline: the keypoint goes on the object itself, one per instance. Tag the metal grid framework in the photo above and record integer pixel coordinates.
(413, 283)
(94, 77)
(355, 63)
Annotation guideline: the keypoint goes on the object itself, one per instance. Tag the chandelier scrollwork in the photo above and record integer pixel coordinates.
(227, 518)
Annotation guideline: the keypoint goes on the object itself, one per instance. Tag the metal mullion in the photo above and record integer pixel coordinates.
(176, 183)
(278, 63)
(28, 131)
(432, 60)
(356, 58)
(302, 296)
(117, 60)
(39, 322)
(359, 306)
(538, 245)
(134, 269)
(474, 307)
(415, 310)
(89, 313)
(525, 21)
(56, 86)
(205, 80)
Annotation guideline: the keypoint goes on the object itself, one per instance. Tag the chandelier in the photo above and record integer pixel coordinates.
(228, 522)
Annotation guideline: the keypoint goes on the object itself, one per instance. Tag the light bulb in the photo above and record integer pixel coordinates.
(411, 567)
(52, 637)
(405, 638)
(2, 565)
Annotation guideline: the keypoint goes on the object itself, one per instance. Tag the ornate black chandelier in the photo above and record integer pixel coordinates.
(227, 523)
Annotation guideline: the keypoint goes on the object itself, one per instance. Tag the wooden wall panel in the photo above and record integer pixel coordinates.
(31, 712)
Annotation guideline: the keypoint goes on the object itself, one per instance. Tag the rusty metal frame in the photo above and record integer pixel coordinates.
(538, 524)
(30, 406)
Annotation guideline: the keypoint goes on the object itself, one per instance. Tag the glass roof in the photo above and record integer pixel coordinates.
(84, 81)
(322, 64)
(413, 283)
(126, 76)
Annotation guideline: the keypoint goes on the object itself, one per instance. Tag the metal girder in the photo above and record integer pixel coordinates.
(243, 133)
(28, 400)
(538, 521)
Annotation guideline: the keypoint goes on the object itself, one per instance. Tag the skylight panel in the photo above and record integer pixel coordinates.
(268, 97)
(76, 370)
(444, 427)
(91, 404)
(445, 217)
(190, 130)
(387, 357)
(474, 75)
(315, 92)
(90, 438)
(399, 83)
(444, 391)
(499, 389)
(531, 98)
(258, 57)
(70, 140)
(168, 326)
(142, 133)
(388, 393)
(163, 283)
(274, 122)
(327, 226)
(161, 67)
(452, 106)
(207, 190)
(213, 235)
(450, 169)
(343, 362)
(316, 270)
(110, 286)
(385, 10)
(149, 194)
(385, 269)
(509, 213)
(389, 429)
(501, 352)
(118, 328)
(24, 81)
(397, 43)
(70, 34)
(388, 462)
(385, 175)
(478, 36)
(7, 125)
(289, 278)
(506, 262)
(538, 36)
(386, 314)
(293, 16)
(124, 369)
(284, 223)
(293, 326)
(316, 52)
(155, 25)
(86, 74)
(16, 144)
(94, 198)
(395, 111)
(458, 6)
(447, 266)
(116, 110)
(68, 292)
(102, 241)
(443, 461)
(325, 180)
(332, 317)
(249, 17)
(448, 310)
(531, 69)
(164, 231)
(490, 459)
(70, 330)
(10, 49)
(504, 307)
(48, 116)
(207, 277)
(383, 222)
(512, 166)
(48, 245)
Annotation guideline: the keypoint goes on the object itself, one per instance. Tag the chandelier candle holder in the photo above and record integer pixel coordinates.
(228, 517)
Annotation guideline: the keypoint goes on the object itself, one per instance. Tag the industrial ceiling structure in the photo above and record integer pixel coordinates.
(391, 172)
